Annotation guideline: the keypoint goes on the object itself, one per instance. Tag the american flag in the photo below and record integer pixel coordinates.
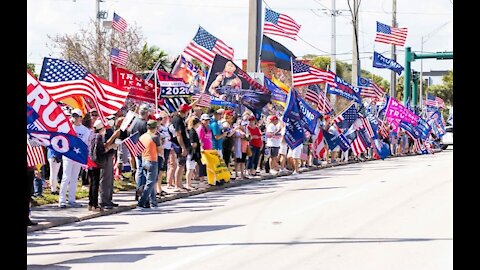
(204, 46)
(345, 119)
(370, 89)
(304, 75)
(315, 95)
(434, 101)
(383, 129)
(280, 25)
(63, 79)
(118, 57)
(391, 35)
(134, 145)
(319, 146)
(119, 23)
(204, 100)
(35, 155)
(357, 145)
(367, 126)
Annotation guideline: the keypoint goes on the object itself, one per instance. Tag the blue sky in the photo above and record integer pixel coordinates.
(171, 24)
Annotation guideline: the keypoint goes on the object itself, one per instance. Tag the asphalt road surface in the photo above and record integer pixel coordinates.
(391, 214)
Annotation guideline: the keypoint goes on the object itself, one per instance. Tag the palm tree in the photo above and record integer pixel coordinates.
(149, 56)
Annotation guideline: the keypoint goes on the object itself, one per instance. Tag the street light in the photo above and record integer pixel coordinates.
(427, 37)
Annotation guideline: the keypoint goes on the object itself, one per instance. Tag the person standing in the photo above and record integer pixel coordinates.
(273, 143)
(97, 153)
(255, 145)
(182, 141)
(193, 157)
(217, 135)
(106, 172)
(151, 141)
(206, 141)
(140, 125)
(71, 168)
(54, 162)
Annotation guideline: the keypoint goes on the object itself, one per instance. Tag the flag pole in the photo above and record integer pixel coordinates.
(156, 91)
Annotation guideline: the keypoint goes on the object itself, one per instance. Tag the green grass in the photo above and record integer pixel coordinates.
(118, 185)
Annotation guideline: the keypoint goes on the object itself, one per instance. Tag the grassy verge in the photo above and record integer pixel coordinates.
(118, 185)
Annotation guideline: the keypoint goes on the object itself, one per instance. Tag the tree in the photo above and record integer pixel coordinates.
(445, 90)
(90, 47)
(149, 56)
(324, 61)
(31, 68)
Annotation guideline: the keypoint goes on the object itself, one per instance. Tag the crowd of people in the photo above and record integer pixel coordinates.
(173, 145)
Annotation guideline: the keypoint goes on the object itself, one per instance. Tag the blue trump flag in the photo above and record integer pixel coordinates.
(277, 93)
(308, 115)
(294, 133)
(344, 89)
(380, 61)
(334, 141)
(65, 144)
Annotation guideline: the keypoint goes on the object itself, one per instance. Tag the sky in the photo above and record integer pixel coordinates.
(171, 25)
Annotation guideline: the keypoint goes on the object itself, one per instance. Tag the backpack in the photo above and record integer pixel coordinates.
(96, 154)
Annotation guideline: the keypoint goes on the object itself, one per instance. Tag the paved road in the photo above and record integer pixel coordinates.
(392, 214)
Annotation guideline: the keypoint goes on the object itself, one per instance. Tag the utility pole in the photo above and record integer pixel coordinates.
(355, 60)
(333, 60)
(254, 34)
(421, 79)
(393, 78)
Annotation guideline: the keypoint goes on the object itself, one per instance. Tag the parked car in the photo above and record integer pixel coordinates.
(447, 138)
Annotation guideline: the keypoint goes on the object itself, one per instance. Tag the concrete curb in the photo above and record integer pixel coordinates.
(179, 195)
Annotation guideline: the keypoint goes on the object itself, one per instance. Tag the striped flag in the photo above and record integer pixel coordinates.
(319, 146)
(358, 146)
(434, 101)
(370, 89)
(367, 126)
(280, 25)
(346, 118)
(315, 95)
(391, 35)
(118, 57)
(303, 74)
(204, 46)
(172, 104)
(204, 100)
(62, 79)
(134, 145)
(119, 23)
(35, 155)
(383, 129)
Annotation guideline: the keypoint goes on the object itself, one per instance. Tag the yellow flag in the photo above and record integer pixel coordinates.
(280, 84)
(216, 168)
(75, 102)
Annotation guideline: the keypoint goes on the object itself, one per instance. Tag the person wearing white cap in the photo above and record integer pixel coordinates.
(205, 136)
(71, 168)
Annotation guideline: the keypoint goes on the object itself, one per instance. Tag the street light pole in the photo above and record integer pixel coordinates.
(393, 78)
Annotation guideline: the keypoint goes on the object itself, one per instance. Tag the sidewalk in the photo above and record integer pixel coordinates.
(51, 215)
